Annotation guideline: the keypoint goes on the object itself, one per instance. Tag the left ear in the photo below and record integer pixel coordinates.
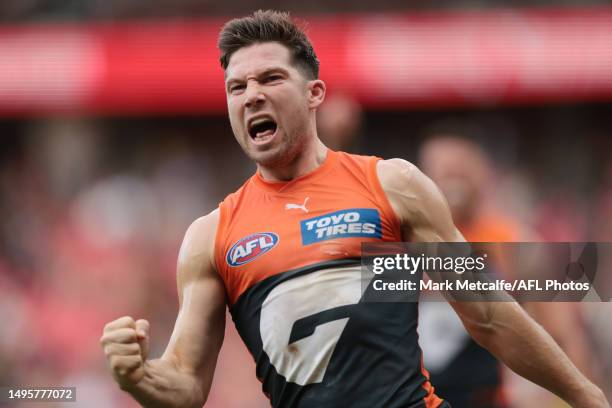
(316, 93)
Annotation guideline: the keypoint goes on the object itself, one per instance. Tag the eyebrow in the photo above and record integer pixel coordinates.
(267, 71)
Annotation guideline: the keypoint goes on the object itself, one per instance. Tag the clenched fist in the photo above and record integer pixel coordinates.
(126, 346)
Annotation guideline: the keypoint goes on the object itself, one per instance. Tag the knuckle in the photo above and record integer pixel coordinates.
(142, 324)
(130, 335)
(124, 366)
(125, 321)
(134, 348)
(111, 350)
(123, 335)
(133, 363)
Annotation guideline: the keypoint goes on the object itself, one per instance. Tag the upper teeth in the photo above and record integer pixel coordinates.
(258, 121)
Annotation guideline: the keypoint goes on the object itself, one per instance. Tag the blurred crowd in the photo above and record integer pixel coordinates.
(105, 10)
(92, 212)
(91, 226)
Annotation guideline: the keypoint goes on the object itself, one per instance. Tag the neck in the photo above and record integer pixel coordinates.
(311, 157)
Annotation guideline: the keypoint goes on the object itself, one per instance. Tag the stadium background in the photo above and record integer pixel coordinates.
(114, 137)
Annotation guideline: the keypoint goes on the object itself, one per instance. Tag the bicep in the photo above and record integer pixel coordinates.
(200, 325)
(199, 328)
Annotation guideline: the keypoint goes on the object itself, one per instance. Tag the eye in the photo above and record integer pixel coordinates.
(273, 78)
(236, 88)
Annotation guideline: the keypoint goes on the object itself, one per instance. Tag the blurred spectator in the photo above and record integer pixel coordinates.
(464, 372)
(339, 122)
(561, 217)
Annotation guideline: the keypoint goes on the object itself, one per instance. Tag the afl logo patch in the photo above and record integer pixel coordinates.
(251, 247)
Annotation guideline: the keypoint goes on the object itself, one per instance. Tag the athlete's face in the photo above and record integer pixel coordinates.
(270, 103)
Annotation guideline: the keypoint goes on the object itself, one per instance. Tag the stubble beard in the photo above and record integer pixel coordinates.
(283, 155)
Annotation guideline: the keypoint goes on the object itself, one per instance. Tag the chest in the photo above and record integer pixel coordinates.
(300, 226)
(272, 234)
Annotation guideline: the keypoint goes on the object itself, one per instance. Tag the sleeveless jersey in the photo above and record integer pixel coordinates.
(289, 255)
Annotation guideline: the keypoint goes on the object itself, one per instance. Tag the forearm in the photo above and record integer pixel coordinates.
(568, 332)
(530, 351)
(165, 386)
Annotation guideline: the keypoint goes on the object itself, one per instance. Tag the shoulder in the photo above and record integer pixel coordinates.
(204, 224)
(197, 250)
(417, 201)
(394, 173)
(407, 187)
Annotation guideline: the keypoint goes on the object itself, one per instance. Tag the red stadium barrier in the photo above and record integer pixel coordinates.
(385, 60)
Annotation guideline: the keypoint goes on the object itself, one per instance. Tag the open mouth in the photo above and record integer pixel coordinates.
(262, 129)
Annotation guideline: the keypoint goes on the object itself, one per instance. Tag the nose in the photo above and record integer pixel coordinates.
(253, 96)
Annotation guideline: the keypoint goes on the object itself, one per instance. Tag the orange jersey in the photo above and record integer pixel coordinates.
(490, 228)
(302, 221)
(289, 255)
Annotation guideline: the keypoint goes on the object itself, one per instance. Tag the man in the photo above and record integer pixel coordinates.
(283, 253)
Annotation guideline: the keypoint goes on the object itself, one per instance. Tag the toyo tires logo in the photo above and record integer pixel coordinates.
(348, 223)
(251, 247)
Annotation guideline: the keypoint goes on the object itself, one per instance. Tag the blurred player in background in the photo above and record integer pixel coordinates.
(464, 372)
(283, 253)
(339, 122)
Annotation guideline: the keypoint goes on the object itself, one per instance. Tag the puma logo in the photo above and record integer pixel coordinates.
(302, 207)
